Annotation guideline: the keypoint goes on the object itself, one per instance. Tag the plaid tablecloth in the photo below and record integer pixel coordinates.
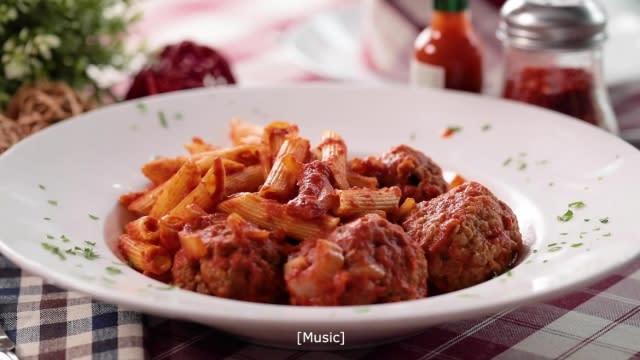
(601, 321)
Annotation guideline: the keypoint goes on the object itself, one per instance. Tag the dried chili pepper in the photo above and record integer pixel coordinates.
(566, 90)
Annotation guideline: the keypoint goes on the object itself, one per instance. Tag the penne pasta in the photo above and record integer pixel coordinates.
(407, 206)
(272, 215)
(245, 154)
(145, 257)
(248, 179)
(192, 245)
(316, 196)
(206, 194)
(160, 170)
(175, 189)
(144, 229)
(360, 201)
(457, 181)
(126, 199)
(361, 181)
(242, 132)
(334, 152)
(192, 214)
(168, 228)
(281, 180)
(197, 145)
(143, 204)
(273, 136)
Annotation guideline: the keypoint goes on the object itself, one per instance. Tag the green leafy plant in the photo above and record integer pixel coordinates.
(60, 39)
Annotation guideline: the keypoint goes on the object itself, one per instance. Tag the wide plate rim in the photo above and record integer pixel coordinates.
(298, 314)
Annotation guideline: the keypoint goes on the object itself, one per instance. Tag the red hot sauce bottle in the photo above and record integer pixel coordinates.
(447, 54)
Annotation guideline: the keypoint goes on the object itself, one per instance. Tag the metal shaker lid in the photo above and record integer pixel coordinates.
(552, 24)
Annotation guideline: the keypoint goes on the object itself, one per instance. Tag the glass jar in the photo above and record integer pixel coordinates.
(553, 58)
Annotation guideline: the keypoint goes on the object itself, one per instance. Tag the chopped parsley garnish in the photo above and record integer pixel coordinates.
(607, 234)
(64, 238)
(89, 254)
(53, 202)
(509, 273)
(577, 205)
(47, 219)
(90, 243)
(50, 237)
(604, 220)
(168, 287)
(551, 183)
(535, 251)
(163, 119)
(113, 270)
(555, 248)
(596, 229)
(582, 234)
(552, 244)
(455, 129)
(42, 187)
(118, 263)
(141, 107)
(486, 127)
(522, 166)
(563, 242)
(566, 216)
(177, 116)
(93, 217)
(507, 162)
(54, 250)
(545, 261)
(563, 234)
(587, 220)
(575, 245)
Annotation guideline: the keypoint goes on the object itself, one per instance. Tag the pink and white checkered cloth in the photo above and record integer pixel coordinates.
(597, 322)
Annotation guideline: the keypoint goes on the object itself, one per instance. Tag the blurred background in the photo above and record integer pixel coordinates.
(365, 41)
(250, 43)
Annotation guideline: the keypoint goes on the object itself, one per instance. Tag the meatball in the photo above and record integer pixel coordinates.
(367, 261)
(467, 234)
(416, 174)
(240, 262)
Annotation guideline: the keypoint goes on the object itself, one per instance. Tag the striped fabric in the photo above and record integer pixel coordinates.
(51, 323)
(601, 321)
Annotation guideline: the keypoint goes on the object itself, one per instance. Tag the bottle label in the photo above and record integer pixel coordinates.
(428, 75)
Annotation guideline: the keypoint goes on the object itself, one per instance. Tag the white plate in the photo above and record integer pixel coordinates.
(86, 163)
(329, 45)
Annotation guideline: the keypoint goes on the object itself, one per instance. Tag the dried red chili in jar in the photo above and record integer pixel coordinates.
(566, 90)
(553, 57)
(186, 65)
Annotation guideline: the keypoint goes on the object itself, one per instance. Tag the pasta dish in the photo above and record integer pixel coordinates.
(275, 219)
